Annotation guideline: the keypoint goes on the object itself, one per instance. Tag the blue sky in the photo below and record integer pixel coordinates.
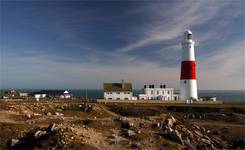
(81, 44)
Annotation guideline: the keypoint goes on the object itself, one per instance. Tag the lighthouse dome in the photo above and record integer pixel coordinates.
(188, 32)
(187, 35)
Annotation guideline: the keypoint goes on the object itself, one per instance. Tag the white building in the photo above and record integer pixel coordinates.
(53, 94)
(118, 91)
(161, 93)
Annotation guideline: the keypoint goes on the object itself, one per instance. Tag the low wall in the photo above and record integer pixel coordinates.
(157, 101)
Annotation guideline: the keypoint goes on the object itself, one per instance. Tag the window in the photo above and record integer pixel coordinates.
(118, 92)
(118, 98)
(152, 91)
(126, 98)
(109, 98)
(168, 92)
(157, 92)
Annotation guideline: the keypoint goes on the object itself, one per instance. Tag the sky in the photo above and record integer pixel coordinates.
(76, 44)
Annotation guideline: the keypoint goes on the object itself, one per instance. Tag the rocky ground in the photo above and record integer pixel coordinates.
(83, 125)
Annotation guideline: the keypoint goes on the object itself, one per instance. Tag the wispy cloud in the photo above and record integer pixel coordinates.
(82, 44)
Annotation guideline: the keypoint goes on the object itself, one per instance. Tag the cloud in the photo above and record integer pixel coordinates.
(78, 48)
(223, 69)
(183, 15)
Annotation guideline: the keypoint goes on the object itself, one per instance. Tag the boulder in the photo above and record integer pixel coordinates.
(49, 114)
(51, 127)
(178, 137)
(28, 116)
(130, 133)
(39, 133)
(170, 121)
(198, 133)
(58, 114)
(206, 141)
(14, 142)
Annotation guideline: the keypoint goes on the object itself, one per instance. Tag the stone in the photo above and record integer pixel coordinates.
(198, 133)
(178, 137)
(14, 142)
(51, 127)
(171, 121)
(58, 114)
(206, 141)
(49, 114)
(139, 131)
(208, 131)
(39, 133)
(190, 134)
(28, 116)
(130, 133)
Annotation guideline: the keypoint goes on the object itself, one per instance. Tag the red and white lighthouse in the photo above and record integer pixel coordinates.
(188, 83)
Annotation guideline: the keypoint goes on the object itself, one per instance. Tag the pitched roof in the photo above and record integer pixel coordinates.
(114, 87)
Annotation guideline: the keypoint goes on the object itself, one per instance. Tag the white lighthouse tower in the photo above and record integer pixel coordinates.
(188, 83)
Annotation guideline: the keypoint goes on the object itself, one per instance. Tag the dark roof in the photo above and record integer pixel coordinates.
(50, 92)
(114, 87)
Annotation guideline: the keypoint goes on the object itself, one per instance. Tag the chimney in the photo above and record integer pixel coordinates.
(123, 84)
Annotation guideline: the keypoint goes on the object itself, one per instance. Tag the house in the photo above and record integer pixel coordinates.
(161, 93)
(118, 91)
(23, 94)
(53, 94)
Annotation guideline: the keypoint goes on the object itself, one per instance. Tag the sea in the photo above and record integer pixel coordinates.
(224, 95)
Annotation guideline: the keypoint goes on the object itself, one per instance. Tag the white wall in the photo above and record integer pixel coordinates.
(159, 93)
(118, 95)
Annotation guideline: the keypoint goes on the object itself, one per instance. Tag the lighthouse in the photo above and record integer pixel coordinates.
(188, 83)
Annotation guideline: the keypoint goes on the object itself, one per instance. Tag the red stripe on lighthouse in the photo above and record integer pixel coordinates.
(188, 70)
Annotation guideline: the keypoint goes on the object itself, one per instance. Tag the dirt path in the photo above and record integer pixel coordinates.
(5, 117)
(106, 110)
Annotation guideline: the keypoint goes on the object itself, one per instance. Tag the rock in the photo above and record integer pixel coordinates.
(39, 133)
(208, 131)
(28, 116)
(190, 134)
(58, 114)
(139, 131)
(206, 141)
(171, 121)
(197, 127)
(51, 127)
(36, 114)
(174, 134)
(203, 129)
(130, 133)
(136, 145)
(14, 142)
(198, 133)
(178, 137)
(131, 124)
(49, 114)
